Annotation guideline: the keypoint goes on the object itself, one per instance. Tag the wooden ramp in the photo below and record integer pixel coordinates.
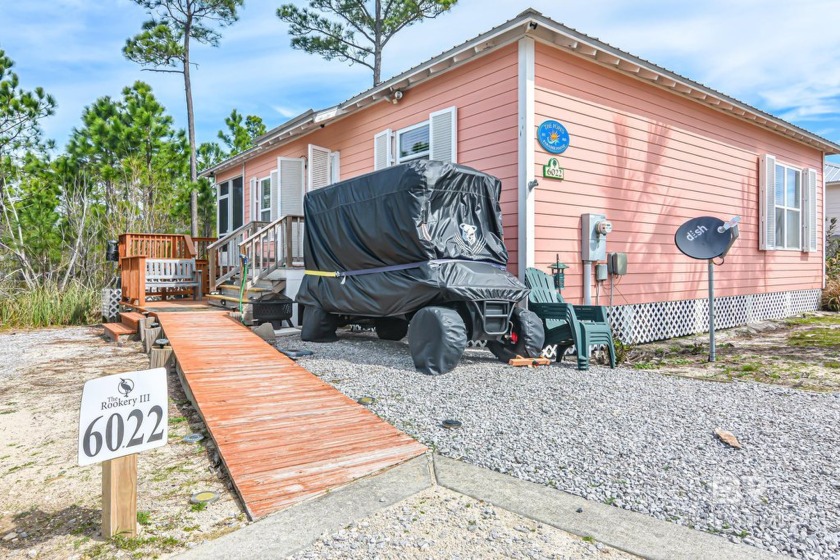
(283, 434)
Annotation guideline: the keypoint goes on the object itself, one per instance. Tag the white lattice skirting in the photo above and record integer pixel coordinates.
(646, 322)
(110, 304)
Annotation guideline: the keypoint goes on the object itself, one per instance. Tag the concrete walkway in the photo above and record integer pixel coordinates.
(295, 528)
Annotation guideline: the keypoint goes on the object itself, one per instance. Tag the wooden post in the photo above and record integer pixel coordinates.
(289, 244)
(119, 497)
(150, 337)
(161, 357)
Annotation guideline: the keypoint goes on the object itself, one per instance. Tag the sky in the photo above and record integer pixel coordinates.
(780, 56)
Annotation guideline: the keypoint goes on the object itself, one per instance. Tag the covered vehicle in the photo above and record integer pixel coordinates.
(415, 249)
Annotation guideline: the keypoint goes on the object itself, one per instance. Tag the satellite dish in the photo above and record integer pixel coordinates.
(706, 237)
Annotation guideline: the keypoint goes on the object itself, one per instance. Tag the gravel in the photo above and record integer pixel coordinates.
(438, 523)
(634, 439)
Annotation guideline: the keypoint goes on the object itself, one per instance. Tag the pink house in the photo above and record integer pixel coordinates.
(647, 148)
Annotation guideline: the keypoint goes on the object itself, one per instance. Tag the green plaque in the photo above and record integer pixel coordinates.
(552, 170)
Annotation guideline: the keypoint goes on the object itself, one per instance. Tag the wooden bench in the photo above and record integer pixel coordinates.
(143, 278)
(173, 276)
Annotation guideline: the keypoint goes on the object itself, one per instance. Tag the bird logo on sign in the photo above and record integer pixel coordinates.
(125, 386)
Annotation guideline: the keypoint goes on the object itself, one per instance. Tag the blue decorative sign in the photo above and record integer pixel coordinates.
(553, 137)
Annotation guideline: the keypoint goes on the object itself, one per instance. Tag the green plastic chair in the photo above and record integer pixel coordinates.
(566, 325)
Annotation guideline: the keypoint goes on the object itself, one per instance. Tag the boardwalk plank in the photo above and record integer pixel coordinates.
(284, 434)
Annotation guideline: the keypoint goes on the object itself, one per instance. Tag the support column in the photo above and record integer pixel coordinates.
(527, 134)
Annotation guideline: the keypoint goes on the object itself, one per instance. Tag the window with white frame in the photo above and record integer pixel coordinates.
(788, 218)
(435, 138)
(413, 142)
(230, 205)
(788, 206)
(264, 194)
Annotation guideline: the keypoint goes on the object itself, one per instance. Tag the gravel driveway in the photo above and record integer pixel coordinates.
(635, 439)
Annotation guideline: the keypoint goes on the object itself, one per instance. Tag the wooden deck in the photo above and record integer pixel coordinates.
(284, 435)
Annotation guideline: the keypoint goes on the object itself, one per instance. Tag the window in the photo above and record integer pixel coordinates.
(230, 207)
(435, 138)
(413, 142)
(265, 199)
(788, 207)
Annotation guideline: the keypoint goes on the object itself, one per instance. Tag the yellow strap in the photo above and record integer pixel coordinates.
(320, 273)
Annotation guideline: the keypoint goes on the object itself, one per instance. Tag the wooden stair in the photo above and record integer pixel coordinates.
(227, 296)
(128, 326)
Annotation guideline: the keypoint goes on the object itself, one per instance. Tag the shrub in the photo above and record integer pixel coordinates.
(831, 295)
(47, 306)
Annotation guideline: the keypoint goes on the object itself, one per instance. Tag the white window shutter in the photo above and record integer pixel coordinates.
(255, 197)
(809, 210)
(292, 176)
(318, 173)
(335, 167)
(275, 196)
(767, 202)
(443, 135)
(382, 156)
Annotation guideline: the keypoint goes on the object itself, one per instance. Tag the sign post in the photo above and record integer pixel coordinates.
(122, 415)
(707, 238)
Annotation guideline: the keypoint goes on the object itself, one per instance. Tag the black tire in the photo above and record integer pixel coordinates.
(527, 331)
(391, 328)
(318, 326)
(437, 338)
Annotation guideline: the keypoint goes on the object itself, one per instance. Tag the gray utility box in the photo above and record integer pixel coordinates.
(593, 243)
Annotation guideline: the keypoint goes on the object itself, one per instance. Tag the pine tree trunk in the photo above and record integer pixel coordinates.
(191, 130)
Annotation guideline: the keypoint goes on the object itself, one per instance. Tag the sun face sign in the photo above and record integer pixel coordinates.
(553, 137)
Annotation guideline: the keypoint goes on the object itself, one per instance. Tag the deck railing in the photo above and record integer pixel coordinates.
(223, 255)
(156, 246)
(133, 279)
(202, 261)
(278, 244)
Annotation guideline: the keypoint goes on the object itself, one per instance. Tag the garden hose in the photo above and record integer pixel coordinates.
(242, 286)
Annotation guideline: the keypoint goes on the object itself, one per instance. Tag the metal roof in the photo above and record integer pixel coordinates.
(832, 172)
(533, 24)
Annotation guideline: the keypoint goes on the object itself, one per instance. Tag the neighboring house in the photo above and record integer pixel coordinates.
(648, 148)
(832, 195)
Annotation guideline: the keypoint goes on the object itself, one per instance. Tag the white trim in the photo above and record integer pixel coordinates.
(450, 113)
(335, 167)
(396, 152)
(270, 199)
(229, 198)
(527, 147)
(785, 207)
(377, 154)
(313, 154)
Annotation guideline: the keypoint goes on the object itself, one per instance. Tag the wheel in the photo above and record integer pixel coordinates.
(390, 328)
(318, 326)
(526, 337)
(437, 338)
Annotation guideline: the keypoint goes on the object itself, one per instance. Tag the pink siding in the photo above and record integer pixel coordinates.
(485, 93)
(650, 160)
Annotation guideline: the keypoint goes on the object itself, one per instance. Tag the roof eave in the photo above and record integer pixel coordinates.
(546, 30)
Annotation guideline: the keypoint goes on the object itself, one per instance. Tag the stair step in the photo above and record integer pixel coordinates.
(113, 331)
(237, 288)
(131, 319)
(222, 297)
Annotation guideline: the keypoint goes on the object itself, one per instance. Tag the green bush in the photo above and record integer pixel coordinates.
(48, 306)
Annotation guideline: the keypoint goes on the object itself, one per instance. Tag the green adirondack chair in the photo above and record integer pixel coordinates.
(566, 325)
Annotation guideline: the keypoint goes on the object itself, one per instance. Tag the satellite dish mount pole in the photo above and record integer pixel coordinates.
(711, 310)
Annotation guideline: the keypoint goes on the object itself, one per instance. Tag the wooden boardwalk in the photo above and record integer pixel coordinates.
(283, 434)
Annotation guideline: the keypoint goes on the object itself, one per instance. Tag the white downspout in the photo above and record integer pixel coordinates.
(527, 127)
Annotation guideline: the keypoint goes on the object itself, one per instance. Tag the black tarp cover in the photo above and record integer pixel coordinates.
(418, 212)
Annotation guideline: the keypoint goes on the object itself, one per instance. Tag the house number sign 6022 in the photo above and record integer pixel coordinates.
(123, 414)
